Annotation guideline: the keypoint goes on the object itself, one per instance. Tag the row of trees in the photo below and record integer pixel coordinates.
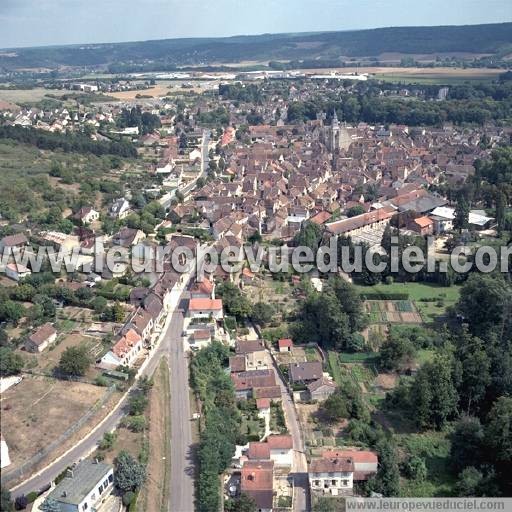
(222, 422)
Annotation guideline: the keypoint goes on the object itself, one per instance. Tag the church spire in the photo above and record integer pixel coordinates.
(335, 121)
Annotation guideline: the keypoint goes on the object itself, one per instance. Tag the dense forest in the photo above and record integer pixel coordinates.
(476, 39)
(69, 143)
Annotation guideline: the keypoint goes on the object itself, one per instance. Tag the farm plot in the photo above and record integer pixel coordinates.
(39, 410)
(392, 311)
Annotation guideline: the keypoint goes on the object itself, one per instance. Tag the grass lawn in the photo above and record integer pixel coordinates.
(359, 357)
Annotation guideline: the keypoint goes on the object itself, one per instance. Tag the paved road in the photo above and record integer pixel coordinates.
(181, 492)
(301, 498)
(88, 443)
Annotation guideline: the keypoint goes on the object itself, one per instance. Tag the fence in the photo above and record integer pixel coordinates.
(9, 476)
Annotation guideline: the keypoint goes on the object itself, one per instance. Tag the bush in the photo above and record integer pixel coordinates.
(128, 498)
(135, 423)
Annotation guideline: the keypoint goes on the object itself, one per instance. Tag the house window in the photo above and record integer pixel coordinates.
(93, 496)
(345, 483)
(100, 489)
(85, 506)
(105, 483)
(317, 483)
(111, 477)
(333, 483)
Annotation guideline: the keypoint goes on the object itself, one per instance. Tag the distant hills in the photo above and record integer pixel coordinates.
(495, 39)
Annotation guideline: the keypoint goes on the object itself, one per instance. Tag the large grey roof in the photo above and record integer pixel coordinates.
(86, 475)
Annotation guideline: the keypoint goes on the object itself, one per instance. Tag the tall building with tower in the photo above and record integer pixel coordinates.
(336, 135)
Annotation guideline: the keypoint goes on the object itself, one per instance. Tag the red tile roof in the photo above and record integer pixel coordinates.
(258, 451)
(285, 342)
(267, 392)
(263, 403)
(126, 343)
(280, 442)
(358, 456)
(205, 305)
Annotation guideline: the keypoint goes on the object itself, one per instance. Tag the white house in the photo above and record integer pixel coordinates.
(335, 472)
(281, 449)
(5, 460)
(332, 476)
(205, 308)
(41, 338)
(124, 352)
(120, 209)
(85, 487)
(87, 215)
(16, 271)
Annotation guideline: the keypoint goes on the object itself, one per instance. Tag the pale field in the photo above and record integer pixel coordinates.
(39, 409)
(28, 95)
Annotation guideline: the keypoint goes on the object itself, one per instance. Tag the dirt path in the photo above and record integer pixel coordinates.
(155, 493)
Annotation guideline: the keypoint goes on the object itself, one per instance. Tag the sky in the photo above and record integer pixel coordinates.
(47, 22)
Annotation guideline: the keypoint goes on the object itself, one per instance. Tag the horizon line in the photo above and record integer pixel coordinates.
(258, 34)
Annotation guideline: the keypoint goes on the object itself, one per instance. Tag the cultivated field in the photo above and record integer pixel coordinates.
(392, 311)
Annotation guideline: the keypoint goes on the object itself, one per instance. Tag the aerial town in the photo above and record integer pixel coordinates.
(240, 387)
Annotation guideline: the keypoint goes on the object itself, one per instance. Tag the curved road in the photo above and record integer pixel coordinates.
(90, 442)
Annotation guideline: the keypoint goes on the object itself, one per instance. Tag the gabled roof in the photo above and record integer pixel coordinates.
(331, 465)
(323, 381)
(248, 346)
(310, 370)
(199, 304)
(123, 346)
(280, 442)
(42, 334)
(258, 451)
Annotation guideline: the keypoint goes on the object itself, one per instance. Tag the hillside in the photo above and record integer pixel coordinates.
(472, 39)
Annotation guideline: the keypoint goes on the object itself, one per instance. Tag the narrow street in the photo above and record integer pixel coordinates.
(301, 498)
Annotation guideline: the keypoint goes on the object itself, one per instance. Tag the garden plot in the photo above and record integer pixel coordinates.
(392, 311)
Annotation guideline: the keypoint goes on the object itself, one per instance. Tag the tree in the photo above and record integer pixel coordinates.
(387, 479)
(491, 291)
(50, 505)
(137, 404)
(244, 503)
(473, 367)
(99, 304)
(469, 482)
(433, 393)
(396, 352)
(74, 361)
(467, 442)
(234, 301)
(415, 468)
(345, 402)
(499, 430)
(355, 210)
(332, 317)
(461, 219)
(10, 362)
(262, 313)
(310, 235)
(11, 311)
(129, 474)
(500, 211)
(5, 500)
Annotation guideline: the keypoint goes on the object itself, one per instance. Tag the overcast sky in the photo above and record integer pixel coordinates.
(45, 22)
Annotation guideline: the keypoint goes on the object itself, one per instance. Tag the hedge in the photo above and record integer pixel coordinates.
(384, 296)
